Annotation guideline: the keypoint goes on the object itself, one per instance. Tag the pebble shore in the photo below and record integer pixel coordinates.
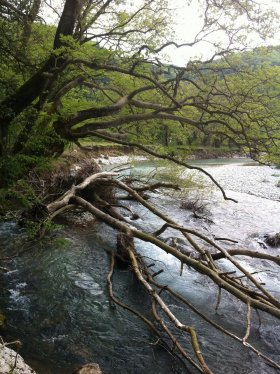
(261, 181)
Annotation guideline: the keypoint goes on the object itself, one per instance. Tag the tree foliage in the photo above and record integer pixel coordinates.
(100, 70)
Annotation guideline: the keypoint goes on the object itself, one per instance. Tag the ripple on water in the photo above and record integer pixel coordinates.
(86, 282)
(17, 300)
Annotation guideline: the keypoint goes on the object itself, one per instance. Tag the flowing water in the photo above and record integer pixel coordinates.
(56, 300)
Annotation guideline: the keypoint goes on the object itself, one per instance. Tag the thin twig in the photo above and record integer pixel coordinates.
(248, 319)
(218, 298)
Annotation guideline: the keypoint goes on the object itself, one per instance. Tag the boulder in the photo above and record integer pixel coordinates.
(10, 362)
(88, 369)
(273, 240)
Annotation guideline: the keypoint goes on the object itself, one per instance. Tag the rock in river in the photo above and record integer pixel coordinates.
(9, 363)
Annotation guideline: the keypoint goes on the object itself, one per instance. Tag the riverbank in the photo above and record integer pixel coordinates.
(117, 150)
(257, 180)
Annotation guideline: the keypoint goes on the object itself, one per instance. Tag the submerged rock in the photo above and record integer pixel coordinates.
(10, 362)
(88, 369)
(273, 240)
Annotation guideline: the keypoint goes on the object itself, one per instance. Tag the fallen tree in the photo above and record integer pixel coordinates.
(204, 258)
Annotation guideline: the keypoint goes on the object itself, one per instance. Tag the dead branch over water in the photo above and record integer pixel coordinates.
(204, 258)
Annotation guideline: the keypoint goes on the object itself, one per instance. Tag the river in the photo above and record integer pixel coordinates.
(57, 304)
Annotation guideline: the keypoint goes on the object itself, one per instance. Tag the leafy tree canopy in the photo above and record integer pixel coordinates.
(98, 69)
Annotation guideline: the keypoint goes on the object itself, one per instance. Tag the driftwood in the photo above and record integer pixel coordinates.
(205, 260)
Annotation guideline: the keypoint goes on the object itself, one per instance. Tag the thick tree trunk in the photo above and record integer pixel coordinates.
(68, 20)
(41, 81)
(28, 21)
(32, 89)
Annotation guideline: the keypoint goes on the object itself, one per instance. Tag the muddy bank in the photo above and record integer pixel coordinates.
(115, 150)
(206, 154)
